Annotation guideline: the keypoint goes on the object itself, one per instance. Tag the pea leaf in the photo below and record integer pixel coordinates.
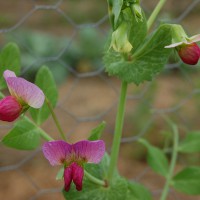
(60, 173)
(116, 9)
(137, 191)
(156, 158)
(188, 181)
(25, 135)
(45, 80)
(145, 63)
(9, 59)
(97, 132)
(137, 29)
(191, 143)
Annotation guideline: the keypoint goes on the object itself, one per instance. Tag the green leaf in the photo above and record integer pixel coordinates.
(97, 132)
(156, 159)
(9, 59)
(137, 30)
(145, 63)
(24, 136)
(118, 190)
(60, 173)
(191, 143)
(137, 191)
(116, 9)
(188, 181)
(45, 80)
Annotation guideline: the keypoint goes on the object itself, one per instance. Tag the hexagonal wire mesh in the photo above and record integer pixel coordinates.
(69, 39)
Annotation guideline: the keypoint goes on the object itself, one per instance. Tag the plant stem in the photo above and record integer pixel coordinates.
(155, 13)
(173, 162)
(45, 135)
(55, 119)
(94, 179)
(118, 131)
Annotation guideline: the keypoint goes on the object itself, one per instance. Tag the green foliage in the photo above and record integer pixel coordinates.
(9, 59)
(96, 133)
(116, 9)
(24, 136)
(188, 181)
(145, 63)
(137, 30)
(156, 159)
(60, 173)
(191, 143)
(45, 81)
(137, 191)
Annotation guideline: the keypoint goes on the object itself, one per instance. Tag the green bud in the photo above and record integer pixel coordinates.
(119, 41)
(178, 34)
(137, 11)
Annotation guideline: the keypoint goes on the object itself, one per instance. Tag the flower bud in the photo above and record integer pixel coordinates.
(189, 53)
(120, 41)
(10, 109)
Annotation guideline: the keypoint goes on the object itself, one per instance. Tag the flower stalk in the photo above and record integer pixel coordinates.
(55, 119)
(118, 131)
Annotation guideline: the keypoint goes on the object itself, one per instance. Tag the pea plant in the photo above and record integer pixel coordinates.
(135, 52)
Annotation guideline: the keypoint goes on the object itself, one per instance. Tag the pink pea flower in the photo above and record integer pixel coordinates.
(73, 156)
(23, 95)
(188, 50)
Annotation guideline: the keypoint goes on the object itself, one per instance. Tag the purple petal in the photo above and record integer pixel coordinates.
(57, 152)
(8, 73)
(25, 91)
(90, 151)
(68, 175)
(78, 174)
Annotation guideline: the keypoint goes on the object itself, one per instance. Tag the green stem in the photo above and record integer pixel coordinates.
(94, 179)
(118, 131)
(45, 135)
(155, 13)
(173, 163)
(55, 119)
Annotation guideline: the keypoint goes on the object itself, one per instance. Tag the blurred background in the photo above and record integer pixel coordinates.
(69, 36)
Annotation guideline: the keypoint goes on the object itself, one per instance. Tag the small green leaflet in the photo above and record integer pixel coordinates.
(145, 63)
(191, 143)
(137, 191)
(25, 135)
(156, 159)
(45, 81)
(9, 59)
(188, 181)
(116, 9)
(97, 132)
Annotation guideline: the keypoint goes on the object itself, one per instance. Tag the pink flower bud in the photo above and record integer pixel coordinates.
(10, 109)
(189, 53)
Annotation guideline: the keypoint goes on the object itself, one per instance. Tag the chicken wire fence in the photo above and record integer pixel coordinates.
(68, 37)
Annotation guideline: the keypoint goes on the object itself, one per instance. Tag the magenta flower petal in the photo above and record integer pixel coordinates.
(57, 152)
(78, 174)
(68, 174)
(10, 109)
(25, 91)
(90, 151)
